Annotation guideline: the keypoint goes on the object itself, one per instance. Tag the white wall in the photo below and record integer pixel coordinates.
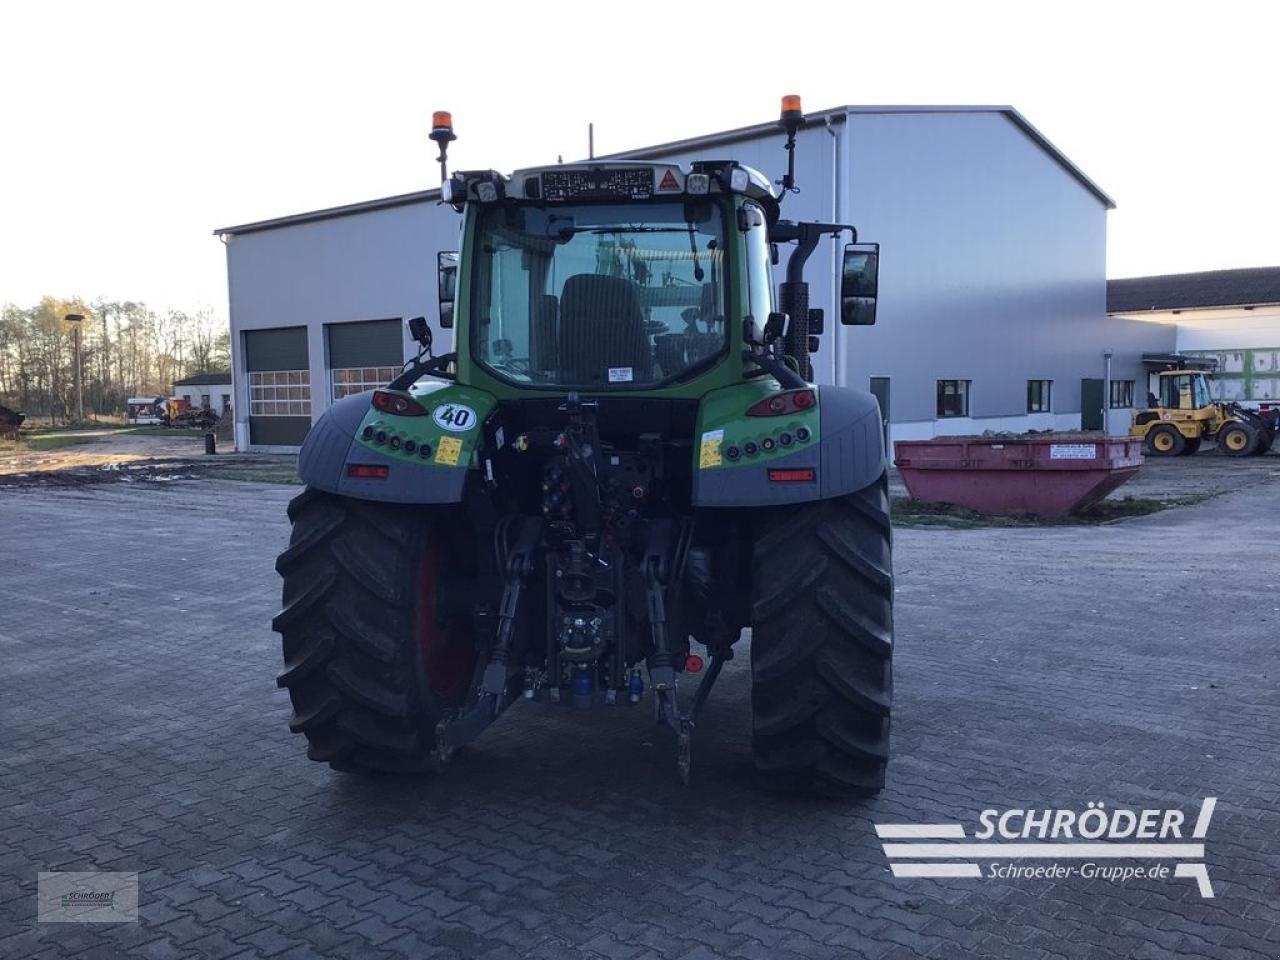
(194, 394)
(1229, 329)
(1221, 328)
(366, 266)
(992, 268)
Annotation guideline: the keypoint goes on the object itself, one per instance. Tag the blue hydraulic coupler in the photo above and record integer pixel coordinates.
(582, 688)
(635, 687)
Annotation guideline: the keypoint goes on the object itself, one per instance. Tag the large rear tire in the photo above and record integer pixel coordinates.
(822, 645)
(370, 665)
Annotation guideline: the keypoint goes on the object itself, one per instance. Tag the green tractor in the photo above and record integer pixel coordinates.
(624, 456)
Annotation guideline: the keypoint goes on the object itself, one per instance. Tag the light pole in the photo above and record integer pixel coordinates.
(76, 319)
(1106, 393)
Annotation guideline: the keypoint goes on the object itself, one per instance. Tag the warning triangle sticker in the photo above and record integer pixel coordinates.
(669, 182)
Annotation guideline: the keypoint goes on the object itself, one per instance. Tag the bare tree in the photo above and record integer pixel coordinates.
(127, 349)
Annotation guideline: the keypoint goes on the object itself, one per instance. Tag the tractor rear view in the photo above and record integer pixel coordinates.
(622, 457)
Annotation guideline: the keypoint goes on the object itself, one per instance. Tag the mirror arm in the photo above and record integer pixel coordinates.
(806, 236)
(418, 369)
(787, 377)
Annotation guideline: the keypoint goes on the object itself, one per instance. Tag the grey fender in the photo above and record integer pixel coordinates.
(331, 446)
(848, 456)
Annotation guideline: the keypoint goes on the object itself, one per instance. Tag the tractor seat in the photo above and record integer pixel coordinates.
(602, 329)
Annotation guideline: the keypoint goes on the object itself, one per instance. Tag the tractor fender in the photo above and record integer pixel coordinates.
(330, 447)
(848, 456)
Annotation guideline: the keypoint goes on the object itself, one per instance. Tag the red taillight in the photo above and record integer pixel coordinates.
(368, 471)
(793, 474)
(692, 663)
(397, 404)
(783, 403)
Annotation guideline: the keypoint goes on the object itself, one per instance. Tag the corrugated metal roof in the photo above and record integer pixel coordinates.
(835, 115)
(1249, 287)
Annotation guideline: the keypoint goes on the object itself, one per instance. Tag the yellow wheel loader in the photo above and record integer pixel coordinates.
(1184, 414)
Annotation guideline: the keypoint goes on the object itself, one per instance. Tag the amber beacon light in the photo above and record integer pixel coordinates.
(443, 135)
(442, 125)
(790, 120)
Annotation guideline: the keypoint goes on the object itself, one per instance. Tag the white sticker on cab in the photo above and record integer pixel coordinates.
(619, 374)
(454, 416)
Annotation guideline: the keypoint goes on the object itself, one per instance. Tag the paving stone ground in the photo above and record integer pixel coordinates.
(141, 729)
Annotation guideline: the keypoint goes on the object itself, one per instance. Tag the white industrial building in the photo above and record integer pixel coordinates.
(1229, 316)
(992, 311)
(209, 391)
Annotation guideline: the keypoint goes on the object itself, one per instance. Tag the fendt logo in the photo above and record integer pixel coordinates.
(1093, 844)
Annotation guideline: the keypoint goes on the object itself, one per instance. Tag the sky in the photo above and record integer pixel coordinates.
(129, 131)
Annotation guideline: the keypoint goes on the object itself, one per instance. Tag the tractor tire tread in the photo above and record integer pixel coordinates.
(294, 611)
(326, 523)
(822, 645)
(367, 688)
(352, 665)
(312, 656)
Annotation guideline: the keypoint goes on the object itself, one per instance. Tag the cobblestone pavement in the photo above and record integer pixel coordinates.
(140, 729)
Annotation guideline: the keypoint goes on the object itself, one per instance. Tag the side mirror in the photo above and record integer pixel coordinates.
(420, 331)
(858, 282)
(774, 326)
(447, 284)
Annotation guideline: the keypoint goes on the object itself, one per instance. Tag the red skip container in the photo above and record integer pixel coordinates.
(1044, 476)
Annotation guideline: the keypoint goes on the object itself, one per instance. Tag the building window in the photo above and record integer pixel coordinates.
(204, 401)
(1039, 396)
(1121, 394)
(349, 380)
(280, 393)
(953, 398)
(226, 401)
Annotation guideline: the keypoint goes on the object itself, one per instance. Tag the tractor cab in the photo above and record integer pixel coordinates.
(633, 277)
(607, 278)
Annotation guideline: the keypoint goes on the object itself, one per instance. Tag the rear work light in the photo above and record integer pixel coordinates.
(783, 403)
(397, 404)
(793, 474)
(368, 471)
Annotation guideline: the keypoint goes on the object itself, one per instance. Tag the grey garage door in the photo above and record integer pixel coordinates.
(364, 355)
(279, 385)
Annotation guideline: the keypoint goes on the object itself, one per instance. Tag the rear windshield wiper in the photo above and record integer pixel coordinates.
(633, 229)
